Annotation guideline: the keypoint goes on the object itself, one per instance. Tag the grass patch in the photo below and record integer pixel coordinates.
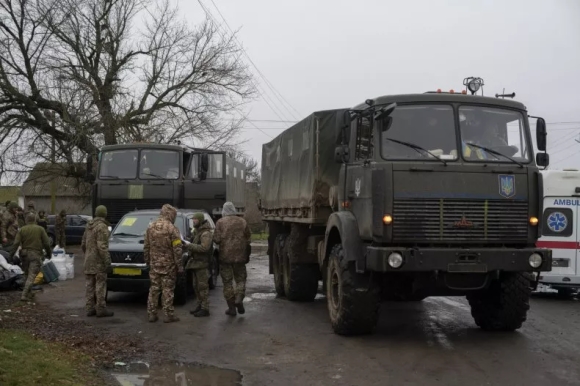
(259, 236)
(28, 361)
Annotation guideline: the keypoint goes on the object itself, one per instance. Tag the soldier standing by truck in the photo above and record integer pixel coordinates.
(162, 252)
(232, 234)
(59, 229)
(200, 251)
(95, 246)
(33, 240)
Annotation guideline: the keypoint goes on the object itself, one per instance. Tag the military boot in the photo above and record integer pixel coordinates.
(240, 304)
(195, 310)
(231, 311)
(91, 313)
(171, 319)
(201, 313)
(104, 314)
(153, 318)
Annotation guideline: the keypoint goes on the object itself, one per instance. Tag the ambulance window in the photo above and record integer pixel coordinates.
(558, 222)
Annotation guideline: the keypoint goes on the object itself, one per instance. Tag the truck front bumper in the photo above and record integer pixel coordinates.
(457, 260)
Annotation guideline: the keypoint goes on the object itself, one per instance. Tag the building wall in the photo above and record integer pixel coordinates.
(253, 215)
(72, 205)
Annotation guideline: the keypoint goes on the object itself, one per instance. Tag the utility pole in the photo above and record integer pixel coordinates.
(51, 116)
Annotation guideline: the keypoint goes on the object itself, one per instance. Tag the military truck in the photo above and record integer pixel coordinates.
(147, 176)
(404, 197)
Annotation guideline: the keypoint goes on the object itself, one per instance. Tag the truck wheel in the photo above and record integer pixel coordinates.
(504, 305)
(353, 299)
(180, 290)
(566, 293)
(277, 254)
(300, 280)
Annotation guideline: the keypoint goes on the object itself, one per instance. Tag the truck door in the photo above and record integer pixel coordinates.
(560, 233)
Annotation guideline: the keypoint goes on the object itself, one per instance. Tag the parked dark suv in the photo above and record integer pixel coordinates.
(74, 229)
(129, 273)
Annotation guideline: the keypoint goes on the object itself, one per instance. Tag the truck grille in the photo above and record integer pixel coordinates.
(460, 220)
(117, 208)
(127, 257)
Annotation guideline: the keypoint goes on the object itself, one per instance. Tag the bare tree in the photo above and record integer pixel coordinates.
(252, 166)
(77, 74)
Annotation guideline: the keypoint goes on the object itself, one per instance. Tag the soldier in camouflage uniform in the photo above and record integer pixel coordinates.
(31, 209)
(20, 217)
(9, 227)
(59, 227)
(95, 246)
(232, 235)
(33, 240)
(42, 220)
(163, 254)
(200, 251)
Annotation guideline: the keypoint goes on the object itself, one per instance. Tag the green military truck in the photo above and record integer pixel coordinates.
(405, 197)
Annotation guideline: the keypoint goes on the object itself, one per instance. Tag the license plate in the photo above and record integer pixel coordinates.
(127, 271)
(467, 268)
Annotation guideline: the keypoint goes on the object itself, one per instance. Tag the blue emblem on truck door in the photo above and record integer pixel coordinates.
(507, 186)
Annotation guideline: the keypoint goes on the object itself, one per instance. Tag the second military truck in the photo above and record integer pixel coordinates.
(405, 197)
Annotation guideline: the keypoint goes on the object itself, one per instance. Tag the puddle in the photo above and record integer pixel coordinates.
(174, 374)
(271, 295)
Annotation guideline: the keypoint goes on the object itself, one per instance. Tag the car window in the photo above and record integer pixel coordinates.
(77, 221)
(51, 220)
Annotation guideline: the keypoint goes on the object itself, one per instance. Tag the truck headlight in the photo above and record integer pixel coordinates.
(535, 260)
(395, 260)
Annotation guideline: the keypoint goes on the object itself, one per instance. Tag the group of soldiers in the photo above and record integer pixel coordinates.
(163, 249)
(28, 231)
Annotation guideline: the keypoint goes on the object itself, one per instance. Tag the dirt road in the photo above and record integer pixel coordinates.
(276, 342)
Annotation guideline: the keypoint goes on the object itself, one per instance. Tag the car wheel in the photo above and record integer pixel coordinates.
(213, 272)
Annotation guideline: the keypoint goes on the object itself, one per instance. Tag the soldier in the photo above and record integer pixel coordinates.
(33, 240)
(200, 251)
(59, 229)
(232, 234)
(163, 253)
(20, 217)
(42, 220)
(32, 210)
(9, 227)
(95, 246)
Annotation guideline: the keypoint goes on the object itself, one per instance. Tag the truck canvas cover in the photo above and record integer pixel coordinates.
(298, 167)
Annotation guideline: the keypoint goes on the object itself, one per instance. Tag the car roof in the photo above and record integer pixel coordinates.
(156, 211)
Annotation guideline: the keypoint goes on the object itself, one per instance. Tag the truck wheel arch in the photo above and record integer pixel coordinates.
(342, 227)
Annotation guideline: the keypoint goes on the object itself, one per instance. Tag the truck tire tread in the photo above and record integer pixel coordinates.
(277, 264)
(504, 306)
(358, 311)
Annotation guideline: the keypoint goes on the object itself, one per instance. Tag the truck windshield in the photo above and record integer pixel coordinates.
(155, 164)
(118, 164)
(500, 130)
(430, 127)
(135, 225)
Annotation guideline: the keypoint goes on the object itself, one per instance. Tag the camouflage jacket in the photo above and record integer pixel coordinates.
(162, 247)
(59, 224)
(201, 248)
(32, 238)
(9, 227)
(233, 236)
(95, 246)
(33, 212)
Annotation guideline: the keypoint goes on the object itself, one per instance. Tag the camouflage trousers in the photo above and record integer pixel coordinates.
(201, 287)
(163, 285)
(96, 292)
(61, 239)
(31, 266)
(234, 272)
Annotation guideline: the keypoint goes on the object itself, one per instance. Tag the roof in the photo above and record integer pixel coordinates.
(561, 183)
(8, 193)
(156, 211)
(444, 98)
(160, 146)
(67, 180)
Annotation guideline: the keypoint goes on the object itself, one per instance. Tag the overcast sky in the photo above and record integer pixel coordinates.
(327, 54)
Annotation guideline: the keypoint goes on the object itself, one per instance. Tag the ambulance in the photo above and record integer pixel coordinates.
(560, 233)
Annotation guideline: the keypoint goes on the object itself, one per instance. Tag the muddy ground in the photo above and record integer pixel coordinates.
(276, 342)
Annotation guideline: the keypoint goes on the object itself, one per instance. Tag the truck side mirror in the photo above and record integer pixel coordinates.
(203, 166)
(541, 134)
(342, 154)
(543, 159)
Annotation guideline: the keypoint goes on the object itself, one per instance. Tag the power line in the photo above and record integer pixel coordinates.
(268, 83)
(270, 120)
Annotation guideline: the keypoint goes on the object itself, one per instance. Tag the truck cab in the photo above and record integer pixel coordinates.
(560, 230)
